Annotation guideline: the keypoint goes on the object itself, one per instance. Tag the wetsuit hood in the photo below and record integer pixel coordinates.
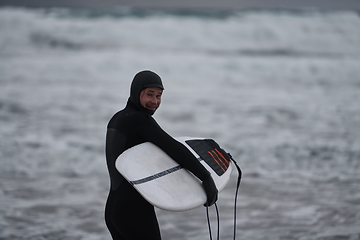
(142, 80)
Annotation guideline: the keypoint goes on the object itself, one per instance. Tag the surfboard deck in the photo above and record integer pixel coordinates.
(162, 181)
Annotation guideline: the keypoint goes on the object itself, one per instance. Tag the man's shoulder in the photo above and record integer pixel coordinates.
(139, 118)
(136, 115)
(126, 114)
(130, 119)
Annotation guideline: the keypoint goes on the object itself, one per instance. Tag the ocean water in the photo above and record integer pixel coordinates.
(279, 90)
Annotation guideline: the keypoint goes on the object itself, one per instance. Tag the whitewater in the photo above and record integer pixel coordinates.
(279, 90)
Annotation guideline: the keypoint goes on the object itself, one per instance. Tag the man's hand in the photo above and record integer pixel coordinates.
(210, 190)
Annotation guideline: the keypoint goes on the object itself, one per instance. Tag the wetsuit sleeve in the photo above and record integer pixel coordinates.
(176, 150)
(147, 130)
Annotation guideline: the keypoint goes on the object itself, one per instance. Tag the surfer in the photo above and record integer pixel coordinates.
(127, 214)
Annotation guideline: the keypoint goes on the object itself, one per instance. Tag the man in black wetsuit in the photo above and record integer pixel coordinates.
(127, 214)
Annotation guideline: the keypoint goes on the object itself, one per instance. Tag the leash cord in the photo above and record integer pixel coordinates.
(237, 190)
(208, 220)
(216, 207)
(218, 221)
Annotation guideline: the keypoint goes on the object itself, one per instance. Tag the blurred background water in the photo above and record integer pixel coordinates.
(278, 89)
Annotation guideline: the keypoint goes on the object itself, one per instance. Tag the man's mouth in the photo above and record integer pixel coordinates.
(151, 107)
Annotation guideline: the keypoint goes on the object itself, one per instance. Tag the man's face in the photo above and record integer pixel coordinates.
(150, 98)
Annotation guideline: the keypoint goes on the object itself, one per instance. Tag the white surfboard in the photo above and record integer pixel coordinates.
(163, 183)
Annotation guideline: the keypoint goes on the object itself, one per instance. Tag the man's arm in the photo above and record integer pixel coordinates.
(153, 133)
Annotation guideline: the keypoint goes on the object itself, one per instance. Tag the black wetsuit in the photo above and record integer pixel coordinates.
(127, 214)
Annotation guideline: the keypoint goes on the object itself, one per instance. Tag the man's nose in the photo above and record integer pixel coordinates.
(154, 100)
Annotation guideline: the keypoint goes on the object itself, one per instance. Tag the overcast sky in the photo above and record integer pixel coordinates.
(193, 4)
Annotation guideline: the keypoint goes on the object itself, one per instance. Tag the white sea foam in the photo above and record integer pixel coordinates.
(279, 90)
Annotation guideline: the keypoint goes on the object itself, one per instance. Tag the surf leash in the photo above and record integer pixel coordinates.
(216, 207)
(218, 221)
(236, 191)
